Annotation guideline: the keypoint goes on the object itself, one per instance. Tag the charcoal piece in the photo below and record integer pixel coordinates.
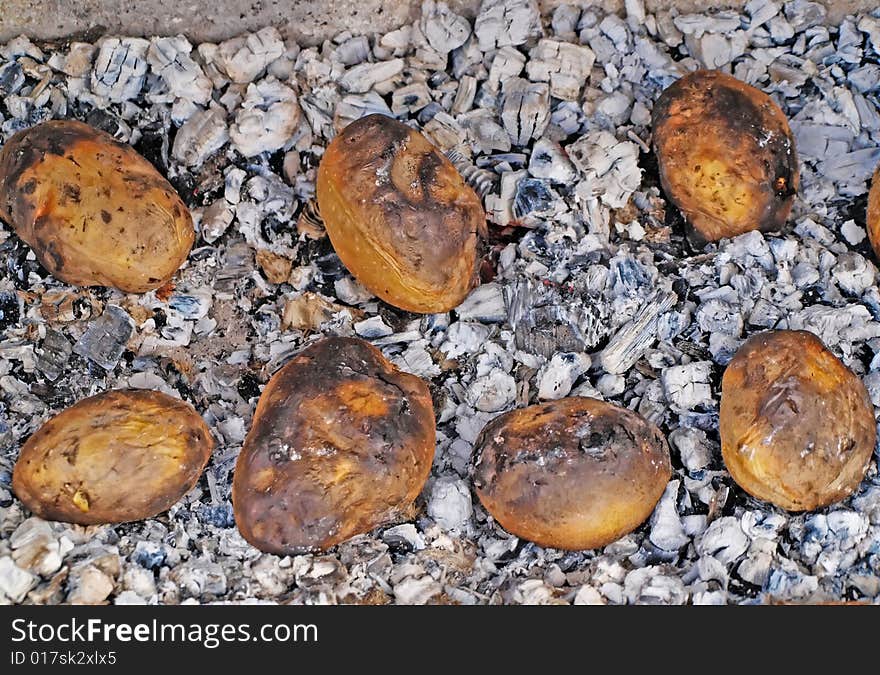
(53, 355)
(105, 338)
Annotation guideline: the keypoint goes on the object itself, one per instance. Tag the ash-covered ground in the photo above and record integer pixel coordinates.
(590, 289)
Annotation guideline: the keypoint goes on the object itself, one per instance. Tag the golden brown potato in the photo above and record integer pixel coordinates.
(873, 217)
(726, 154)
(577, 473)
(797, 426)
(94, 211)
(401, 218)
(112, 458)
(341, 442)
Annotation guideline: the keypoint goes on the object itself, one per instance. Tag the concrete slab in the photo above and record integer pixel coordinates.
(307, 21)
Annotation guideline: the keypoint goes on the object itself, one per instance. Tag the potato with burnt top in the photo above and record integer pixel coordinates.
(401, 218)
(726, 155)
(797, 426)
(94, 211)
(873, 215)
(577, 473)
(112, 458)
(341, 443)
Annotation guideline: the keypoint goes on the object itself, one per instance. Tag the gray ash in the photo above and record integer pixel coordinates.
(591, 288)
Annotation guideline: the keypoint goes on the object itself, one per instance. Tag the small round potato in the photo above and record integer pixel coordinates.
(577, 473)
(341, 442)
(797, 426)
(401, 218)
(726, 154)
(873, 216)
(112, 458)
(94, 211)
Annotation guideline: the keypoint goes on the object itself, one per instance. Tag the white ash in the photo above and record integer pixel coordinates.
(484, 304)
(243, 59)
(584, 264)
(450, 503)
(610, 385)
(693, 448)
(724, 539)
(502, 23)
(14, 581)
(170, 59)
(53, 354)
(548, 160)
(444, 29)
(36, 547)
(556, 379)
(652, 586)
(500, 207)
(90, 585)
(371, 328)
(267, 118)
(506, 63)
(485, 134)
(687, 386)
(492, 392)
(667, 530)
(105, 338)
(633, 339)
(202, 135)
(414, 590)
(366, 76)
(609, 168)
(526, 109)
(214, 220)
(408, 99)
(120, 68)
(406, 533)
(564, 65)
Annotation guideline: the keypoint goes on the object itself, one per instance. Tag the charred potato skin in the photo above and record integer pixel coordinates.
(116, 457)
(797, 426)
(873, 215)
(341, 443)
(576, 474)
(94, 211)
(711, 124)
(401, 218)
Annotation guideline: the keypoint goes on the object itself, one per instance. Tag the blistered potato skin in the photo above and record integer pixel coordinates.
(797, 426)
(401, 218)
(341, 443)
(115, 457)
(873, 217)
(94, 211)
(726, 155)
(577, 473)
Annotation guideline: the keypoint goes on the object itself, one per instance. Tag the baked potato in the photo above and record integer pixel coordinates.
(341, 442)
(873, 215)
(577, 473)
(401, 218)
(115, 457)
(94, 211)
(797, 426)
(726, 155)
